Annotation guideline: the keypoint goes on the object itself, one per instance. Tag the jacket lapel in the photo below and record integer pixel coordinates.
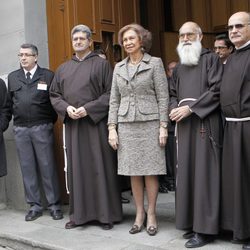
(37, 75)
(123, 69)
(21, 76)
(145, 63)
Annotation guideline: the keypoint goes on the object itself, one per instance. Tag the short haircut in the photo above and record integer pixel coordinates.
(30, 46)
(145, 35)
(225, 38)
(81, 28)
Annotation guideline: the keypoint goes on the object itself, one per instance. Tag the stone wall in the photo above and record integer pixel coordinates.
(21, 22)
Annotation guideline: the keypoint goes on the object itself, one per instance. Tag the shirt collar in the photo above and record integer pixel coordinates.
(243, 46)
(32, 72)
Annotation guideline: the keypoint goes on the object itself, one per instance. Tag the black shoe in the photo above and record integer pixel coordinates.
(33, 215)
(188, 235)
(125, 200)
(163, 188)
(246, 246)
(171, 187)
(56, 214)
(238, 241)
(107, 226)
(70, 224)
(199, 240)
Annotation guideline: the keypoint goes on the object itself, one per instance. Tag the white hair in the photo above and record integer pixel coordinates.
(189, 53)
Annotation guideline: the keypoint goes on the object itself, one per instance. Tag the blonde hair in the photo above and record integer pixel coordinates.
(144, 34)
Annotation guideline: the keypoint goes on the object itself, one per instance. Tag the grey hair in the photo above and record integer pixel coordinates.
(199, 30)
(81, 28)
(30, 46)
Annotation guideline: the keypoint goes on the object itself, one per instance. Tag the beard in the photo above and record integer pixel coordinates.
(189, 53)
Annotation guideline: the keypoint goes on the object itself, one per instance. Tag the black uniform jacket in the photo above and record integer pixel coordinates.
(30, 101)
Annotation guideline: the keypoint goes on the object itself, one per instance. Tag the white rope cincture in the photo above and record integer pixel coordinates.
(243, 119)
(65, 160)
(181, 101)
(175, 132)
(186, 100)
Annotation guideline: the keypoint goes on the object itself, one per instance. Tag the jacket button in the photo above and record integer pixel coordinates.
(132, 104)
(132, 94)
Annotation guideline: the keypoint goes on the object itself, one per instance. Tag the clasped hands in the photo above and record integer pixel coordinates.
(76, 113)
(177, 114)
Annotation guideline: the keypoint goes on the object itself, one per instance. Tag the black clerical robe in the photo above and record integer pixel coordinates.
(93, 186)
(235, 103)
(199, 138)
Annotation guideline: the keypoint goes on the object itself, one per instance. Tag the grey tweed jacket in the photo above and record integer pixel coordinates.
(144, 97)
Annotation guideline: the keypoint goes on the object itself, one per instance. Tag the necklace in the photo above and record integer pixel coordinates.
(136, 61)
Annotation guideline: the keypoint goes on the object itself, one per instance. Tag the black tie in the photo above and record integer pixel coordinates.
(28, 74)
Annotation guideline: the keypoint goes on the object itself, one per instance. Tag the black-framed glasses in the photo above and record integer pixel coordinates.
(237, 26)
(219, 47)
(25, 55)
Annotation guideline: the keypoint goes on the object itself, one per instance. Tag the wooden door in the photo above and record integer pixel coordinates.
(59, 25)
(105, 18)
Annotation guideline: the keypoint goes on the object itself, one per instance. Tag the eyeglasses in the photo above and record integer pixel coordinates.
(220, 48)
(75, 39)
(189, 35)
(25, 55)
(237, 26)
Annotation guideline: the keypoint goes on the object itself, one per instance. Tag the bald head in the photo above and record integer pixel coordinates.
(191, 26)
(190, 31)
(242, 15)
(239, 28)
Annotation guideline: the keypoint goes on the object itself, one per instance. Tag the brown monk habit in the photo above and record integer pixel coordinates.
(199, 139)
(235, 103)
(94, 191)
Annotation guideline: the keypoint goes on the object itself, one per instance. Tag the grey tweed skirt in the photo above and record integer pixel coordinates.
(139, 151)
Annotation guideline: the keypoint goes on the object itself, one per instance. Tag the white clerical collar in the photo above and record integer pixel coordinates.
(243, 46)
(32, 71)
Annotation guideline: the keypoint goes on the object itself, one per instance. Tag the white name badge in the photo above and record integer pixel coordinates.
(42, 86)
